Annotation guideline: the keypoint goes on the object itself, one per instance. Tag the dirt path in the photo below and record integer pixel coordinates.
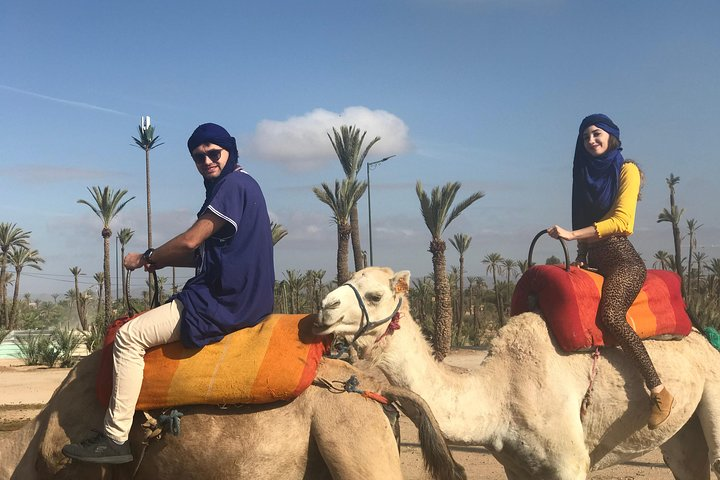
(24, 390)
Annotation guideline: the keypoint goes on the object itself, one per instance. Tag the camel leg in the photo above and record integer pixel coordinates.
(355, 449)
(686, 453)
(709, 413)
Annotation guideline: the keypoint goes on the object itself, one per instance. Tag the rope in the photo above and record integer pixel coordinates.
(171, 422)
(593, 371)
(351, 385)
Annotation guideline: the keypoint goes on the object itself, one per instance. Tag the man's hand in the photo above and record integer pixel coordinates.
(134, 261)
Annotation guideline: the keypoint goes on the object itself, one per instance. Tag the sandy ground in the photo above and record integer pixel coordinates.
(24, 390)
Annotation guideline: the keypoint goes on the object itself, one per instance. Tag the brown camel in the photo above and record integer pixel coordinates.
(319, 435)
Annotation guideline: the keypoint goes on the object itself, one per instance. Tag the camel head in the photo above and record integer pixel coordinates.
(365, 306)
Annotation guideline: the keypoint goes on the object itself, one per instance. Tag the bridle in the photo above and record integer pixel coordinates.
(366, 324)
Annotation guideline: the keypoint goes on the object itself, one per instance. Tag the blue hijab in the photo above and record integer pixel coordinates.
(595, 179)
(213, 133)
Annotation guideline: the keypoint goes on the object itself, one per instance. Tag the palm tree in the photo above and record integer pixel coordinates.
(494, 265)
(10, 236)
(662, 259)
(509, 268)
(673, 217)
(124, 236)
(21, 257)
(714, 280)
(341, 200)
(294, 281)
(692, 243)
(436, 212)
(80, 306)
(108, 203)
(278, 232)
(699, 258)
(522, 265)
(461, 242)
(313, 280)
(147, 141)
(348, 145)
(421, 298)
(99, 278)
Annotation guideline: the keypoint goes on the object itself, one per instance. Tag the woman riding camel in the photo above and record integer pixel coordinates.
(604, 197)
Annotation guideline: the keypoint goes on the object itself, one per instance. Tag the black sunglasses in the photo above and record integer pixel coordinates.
(213, 155)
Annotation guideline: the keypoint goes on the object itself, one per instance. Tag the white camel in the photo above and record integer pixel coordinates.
(320, 435)
(524, 402)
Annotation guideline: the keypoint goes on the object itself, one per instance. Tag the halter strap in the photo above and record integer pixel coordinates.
(365, 323)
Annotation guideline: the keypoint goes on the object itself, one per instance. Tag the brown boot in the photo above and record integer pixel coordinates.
(660, 405)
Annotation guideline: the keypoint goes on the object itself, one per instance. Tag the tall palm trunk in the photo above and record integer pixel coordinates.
(123, 278)
(461, 299)
(355, 237)
(16, 292)
(343, 232)
(80, 309)
(100, 296)
(498, 300)
(443, 307)
(106, 234)
(3, 292)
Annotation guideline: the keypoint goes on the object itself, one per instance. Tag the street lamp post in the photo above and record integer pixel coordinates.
(368, 165)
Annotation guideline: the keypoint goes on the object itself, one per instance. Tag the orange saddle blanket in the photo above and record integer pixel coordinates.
(274, 360)
(569, 302)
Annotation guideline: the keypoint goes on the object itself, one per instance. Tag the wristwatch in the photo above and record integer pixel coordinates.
(148, 255)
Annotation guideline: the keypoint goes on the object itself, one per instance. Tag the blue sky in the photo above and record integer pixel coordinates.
(485, 92)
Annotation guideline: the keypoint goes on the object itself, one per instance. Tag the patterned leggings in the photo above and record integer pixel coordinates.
(624, 273)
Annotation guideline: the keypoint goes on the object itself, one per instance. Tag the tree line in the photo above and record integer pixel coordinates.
(453, 308)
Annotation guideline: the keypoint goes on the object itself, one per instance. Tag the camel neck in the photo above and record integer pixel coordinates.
(459, 400)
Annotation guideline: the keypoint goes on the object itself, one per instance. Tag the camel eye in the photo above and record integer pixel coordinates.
(373, 297)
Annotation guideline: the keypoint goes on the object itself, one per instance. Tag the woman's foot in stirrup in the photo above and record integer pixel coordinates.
(661, 404)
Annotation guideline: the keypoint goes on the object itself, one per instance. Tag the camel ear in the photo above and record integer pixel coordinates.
(401, 281)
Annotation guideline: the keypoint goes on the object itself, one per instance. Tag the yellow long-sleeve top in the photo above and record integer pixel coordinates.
(620, 219)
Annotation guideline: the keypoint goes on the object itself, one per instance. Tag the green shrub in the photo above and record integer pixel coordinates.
(65, 342)
(29, 349)
(94, 338)
(48, 351)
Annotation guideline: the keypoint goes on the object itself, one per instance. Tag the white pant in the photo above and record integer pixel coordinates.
(158, 326)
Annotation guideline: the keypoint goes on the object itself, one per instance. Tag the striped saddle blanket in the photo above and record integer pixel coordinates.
(274, 360)
(569, 303)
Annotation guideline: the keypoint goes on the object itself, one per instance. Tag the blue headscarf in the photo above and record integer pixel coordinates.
(595, 179)
(213, 133)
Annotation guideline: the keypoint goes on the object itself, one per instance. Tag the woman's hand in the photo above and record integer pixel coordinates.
(557, 231)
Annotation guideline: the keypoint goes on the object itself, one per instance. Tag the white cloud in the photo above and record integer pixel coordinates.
(301, 143)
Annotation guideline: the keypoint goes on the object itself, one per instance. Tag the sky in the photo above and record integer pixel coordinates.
(486, 92)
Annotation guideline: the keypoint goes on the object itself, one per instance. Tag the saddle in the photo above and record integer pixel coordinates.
(568, 299)
(272, 361)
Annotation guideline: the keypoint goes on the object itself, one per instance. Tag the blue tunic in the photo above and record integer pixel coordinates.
(234, 283)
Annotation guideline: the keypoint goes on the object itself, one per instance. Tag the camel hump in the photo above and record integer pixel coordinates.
(273, 360)
(569, 300)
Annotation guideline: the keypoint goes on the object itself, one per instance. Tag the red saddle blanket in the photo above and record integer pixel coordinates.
(274, 360)
(569, 303)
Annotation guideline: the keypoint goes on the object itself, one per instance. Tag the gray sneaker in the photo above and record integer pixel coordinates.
(99, 449)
